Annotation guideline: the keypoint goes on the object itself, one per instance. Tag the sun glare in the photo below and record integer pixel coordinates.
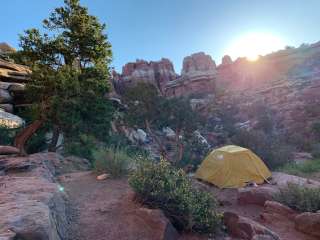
(253, 45)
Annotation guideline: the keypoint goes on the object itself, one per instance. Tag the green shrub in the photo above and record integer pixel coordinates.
(299, 198)
(159, 185)
(272, 149)
(307, 167)
(83, 146)
(118, 140)
(195, 151)
(114, 161)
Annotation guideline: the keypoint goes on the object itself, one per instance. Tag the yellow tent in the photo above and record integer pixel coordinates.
(232, 167)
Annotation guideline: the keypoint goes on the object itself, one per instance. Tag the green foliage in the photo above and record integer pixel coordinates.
(302, 169)
(119, 140)
(6, 136)
(178, 114)
(195, 152)
(273, 150)
(84, 146)
(70, 74)
(143, 103)
(161, 186)
(37, 142)
(299, 198)
(114, 161)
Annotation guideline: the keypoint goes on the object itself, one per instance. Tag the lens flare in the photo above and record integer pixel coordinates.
(254, 44)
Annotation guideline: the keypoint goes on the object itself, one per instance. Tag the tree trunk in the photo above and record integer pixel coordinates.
(54, 139)
(23, 136)
(162, 149)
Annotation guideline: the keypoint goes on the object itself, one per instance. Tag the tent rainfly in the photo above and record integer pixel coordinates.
(232, 167)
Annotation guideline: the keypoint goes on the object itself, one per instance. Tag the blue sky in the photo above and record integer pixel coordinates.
(152, 29)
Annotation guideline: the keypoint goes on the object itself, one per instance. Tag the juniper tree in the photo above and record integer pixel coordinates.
(69, 59)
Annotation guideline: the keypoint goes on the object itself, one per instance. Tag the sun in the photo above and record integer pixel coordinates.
(254, 44)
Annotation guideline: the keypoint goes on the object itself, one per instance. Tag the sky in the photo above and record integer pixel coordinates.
(152, 29)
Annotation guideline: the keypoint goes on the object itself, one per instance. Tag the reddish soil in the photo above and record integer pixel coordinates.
(102, 210)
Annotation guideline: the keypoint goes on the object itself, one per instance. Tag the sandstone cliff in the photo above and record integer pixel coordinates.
(287, 81)
(157, 73)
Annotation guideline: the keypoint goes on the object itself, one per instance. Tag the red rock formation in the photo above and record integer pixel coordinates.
(197, 76)
(157, 73)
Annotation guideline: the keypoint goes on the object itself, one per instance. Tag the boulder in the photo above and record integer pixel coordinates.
(276, 211)
(4, 150)
(7, 107)
(256, 195)
(154, 219)
(282, 180)
(308, 223)
(5, 96)
(17, 87)
(10, 120)
(169, 133)
(32, 205)
(5, 85)
(245, 228)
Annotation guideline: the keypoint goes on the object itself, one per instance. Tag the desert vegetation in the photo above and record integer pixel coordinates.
(159, 185)
(300, 198)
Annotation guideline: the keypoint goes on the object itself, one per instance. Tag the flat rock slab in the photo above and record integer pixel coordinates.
(32, 205)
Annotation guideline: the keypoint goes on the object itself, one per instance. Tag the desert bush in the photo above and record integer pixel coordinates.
(114, 161)
(159, 185)
(273, 150)
(299, 198)
(82, 146)
(301, 168)
(118, 140)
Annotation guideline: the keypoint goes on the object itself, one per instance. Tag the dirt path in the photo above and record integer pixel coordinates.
(93, 204)
(102, 210)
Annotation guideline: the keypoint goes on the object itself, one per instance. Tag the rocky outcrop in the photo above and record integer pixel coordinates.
(245, 228)
(13, 78)
(197, 62)
(287, 82)
(275, 211)
(10, 120)
(6, 48)
(256, 195)
(226, 60)
(308, 223)
(32, 204)
(197, 77)
(157, 73)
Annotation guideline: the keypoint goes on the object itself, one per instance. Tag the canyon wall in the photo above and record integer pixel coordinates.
(287, 81)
